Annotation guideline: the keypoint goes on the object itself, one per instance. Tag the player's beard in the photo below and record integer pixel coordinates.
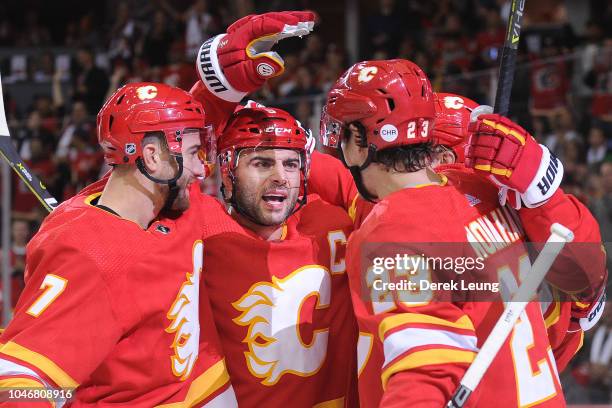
(251, 204)
(180, 199)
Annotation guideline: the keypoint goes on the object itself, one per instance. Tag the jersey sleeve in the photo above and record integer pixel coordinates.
(217, 111)
(64, 324)
(557, 315)
(332, 181)
(581, 267)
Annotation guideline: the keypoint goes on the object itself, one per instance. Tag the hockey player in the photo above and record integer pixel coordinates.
(276, 272)
(382, 113)
(112, 302)
(565, 319)
(107, 315)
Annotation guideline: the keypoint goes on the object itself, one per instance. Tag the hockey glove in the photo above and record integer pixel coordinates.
(234, 64)
(514, 159)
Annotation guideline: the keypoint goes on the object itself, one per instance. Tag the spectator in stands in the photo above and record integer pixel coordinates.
(21, 232)
(598, 148)
(600, 203)
(33, 129)
(384, 28)
(562, 132)
(90, 82)
(600, 78)
(33, 34)
(600, 368)
(201, 25)
(79, 121)
(157, 41)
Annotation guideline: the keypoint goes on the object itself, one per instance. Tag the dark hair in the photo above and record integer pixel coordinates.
(159, 136)
(406, 159)
(403, 159)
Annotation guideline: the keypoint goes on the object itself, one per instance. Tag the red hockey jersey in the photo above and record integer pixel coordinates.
(115, 311)
(283, 309)
(333, 182)
(414, 354)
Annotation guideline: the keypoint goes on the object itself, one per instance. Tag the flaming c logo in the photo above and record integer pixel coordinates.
(146, 92)
(272, 313)
(366, 74)
(453, 102)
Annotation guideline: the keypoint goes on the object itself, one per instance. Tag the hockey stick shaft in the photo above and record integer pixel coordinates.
(508, 58)
(559, 236)
(10, 155)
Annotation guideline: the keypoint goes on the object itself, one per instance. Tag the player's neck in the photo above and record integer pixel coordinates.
(386, 182)
(134, 198)
(266, 232)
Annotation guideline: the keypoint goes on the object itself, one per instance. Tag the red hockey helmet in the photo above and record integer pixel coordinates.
(452, 121)
(392, 99)
(144, 107)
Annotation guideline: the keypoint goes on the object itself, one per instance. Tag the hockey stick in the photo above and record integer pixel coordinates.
(8, 153)
(559, 236)
(508, 58)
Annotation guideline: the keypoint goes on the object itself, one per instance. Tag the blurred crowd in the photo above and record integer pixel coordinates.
(562, 91)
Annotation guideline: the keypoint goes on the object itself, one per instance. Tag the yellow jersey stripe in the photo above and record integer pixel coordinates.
(352, 211)
(44, 364)
(394, 321)
(337, 403)
(203, 386)
(425, 358)
(553, 317)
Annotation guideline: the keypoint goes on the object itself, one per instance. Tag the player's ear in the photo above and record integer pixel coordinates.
(152, 156)
(226, 186)
(447, 157)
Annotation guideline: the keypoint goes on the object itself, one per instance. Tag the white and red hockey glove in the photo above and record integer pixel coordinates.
(234, 64)
(525, 171)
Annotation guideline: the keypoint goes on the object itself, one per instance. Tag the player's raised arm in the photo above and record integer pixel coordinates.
(529, 174)
(234, 64)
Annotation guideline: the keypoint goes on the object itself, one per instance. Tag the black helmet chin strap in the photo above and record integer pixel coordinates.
(356, 172)
(173, 188)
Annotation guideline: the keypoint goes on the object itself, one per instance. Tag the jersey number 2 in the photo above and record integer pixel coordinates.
(53, 286)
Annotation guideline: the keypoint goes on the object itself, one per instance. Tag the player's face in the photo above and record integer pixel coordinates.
(267, 184)
(193, 168)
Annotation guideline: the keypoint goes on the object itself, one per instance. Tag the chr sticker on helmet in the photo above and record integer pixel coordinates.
(389, 133)
(146, 92)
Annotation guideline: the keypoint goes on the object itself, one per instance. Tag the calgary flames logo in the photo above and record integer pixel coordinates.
(272, 312)
(366, 74)
(453, 102)
(146, 92)
(184, 317)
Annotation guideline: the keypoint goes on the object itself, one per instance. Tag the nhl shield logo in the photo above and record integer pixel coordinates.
(130, 148)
